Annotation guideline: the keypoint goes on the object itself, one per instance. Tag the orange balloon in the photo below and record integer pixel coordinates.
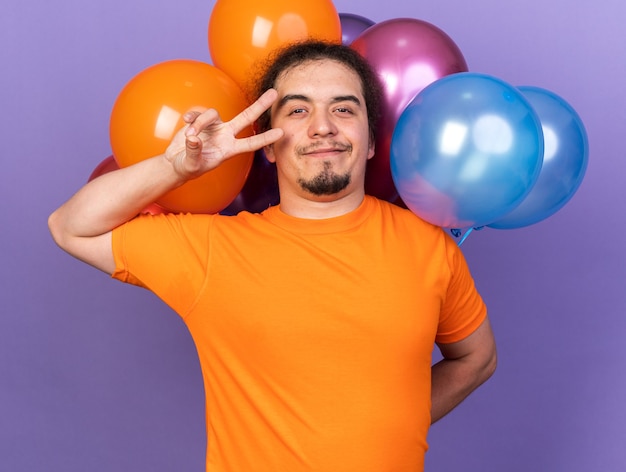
(241, 32)
(148, 112)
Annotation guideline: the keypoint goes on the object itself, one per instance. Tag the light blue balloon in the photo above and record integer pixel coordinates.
(466, 151)
(565, 160)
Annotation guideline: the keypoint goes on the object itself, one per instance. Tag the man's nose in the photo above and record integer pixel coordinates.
(322, 124)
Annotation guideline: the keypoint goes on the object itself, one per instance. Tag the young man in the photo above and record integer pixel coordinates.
(315, 320)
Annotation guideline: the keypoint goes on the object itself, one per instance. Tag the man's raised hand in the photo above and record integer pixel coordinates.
(206, 141)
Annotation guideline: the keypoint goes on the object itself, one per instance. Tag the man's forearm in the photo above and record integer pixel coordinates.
(465, 366)
(113, 198)
(452, 381)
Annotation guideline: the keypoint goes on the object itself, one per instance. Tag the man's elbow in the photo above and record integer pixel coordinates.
(56, 229)
(490, 365)
(59, 231)
(93, 250)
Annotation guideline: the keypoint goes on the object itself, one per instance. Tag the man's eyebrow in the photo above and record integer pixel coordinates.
(341, 98)
(347, 98)
(287, 98)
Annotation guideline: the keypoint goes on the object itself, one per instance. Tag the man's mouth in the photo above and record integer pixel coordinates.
(324, 150)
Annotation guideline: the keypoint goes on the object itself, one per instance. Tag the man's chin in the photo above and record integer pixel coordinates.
(325, 188)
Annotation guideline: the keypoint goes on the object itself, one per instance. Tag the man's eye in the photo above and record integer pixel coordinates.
(297, 111)
(344, 110)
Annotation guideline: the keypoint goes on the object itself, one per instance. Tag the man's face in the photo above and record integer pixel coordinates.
(326, 145)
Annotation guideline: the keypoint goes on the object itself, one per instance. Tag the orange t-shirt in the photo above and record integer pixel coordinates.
(314, 336)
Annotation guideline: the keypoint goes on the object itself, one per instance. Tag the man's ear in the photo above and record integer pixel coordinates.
(372, 148)
(269, 153)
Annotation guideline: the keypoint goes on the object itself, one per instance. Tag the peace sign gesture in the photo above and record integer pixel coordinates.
(207, 141)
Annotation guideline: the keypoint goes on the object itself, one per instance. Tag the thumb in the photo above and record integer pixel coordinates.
(192, 158)
(193, 146)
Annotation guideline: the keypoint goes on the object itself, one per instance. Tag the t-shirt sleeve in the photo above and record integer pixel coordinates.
(167, 254)
(463, 308)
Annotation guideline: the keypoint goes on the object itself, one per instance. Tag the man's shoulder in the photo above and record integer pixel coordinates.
(397, 210)
(404, 221)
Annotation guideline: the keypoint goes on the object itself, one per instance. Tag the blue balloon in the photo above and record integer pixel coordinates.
(466, 150)
(565, 159)
(352, 26)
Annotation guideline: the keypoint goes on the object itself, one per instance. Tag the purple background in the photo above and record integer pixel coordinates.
(99, 376)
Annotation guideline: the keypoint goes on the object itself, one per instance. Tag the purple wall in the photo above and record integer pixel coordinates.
(98, 376)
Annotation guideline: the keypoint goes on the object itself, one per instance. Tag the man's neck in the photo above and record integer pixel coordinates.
(320, 207)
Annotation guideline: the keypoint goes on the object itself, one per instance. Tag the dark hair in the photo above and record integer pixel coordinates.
(313, 50)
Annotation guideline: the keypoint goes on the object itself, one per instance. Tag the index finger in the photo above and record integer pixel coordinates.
(252, 113)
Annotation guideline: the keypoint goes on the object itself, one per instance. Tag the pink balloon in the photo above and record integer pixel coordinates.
(109, 164)
(154, 209)
(408, 55)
